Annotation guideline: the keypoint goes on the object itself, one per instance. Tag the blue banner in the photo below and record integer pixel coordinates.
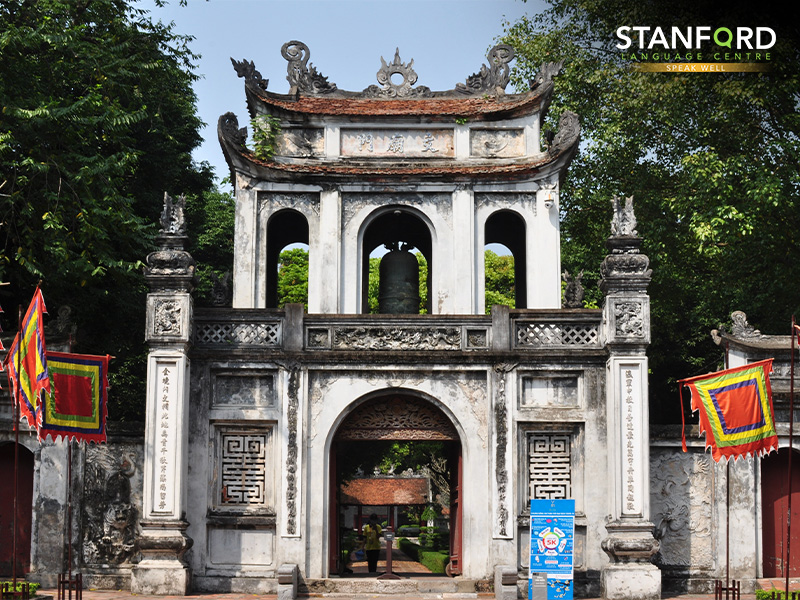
(552, 542)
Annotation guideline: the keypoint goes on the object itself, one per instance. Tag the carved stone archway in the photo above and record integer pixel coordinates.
(400, 417)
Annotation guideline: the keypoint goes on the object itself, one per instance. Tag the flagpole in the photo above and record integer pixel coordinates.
(16, 457)
(727, 500)
(787, 564)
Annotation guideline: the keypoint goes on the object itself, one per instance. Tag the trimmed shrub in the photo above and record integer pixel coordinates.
(32, 587)
(434, 560)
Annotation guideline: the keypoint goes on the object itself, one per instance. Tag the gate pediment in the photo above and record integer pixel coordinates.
(397, 418)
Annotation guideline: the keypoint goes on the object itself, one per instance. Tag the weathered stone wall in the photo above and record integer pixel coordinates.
(108, 486)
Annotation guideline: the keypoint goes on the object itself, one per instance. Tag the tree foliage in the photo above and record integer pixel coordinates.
(500, 282)
(98, 120)
(293, 277)
(711, 160)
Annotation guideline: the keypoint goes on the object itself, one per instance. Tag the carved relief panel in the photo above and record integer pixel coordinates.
(243, 470)
(168, 317)
(682, 507)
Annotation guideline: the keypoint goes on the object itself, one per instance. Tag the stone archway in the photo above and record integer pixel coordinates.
(399, 417)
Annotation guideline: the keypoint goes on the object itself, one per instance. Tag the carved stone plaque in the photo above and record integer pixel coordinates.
(496, 143)
(244, 390)
(397, 143)
(300, 143)
(549, 391)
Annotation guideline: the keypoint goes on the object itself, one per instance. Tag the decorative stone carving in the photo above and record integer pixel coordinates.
(501, 200)
(536, 334)
(228, 128)
(741, 328)
(628, 319)
(304, 202)
(221, 289)
(569, 130)
(574, 293)
(244, 461)
(168, 318)
(247, 70)
(623, 221)
(173, 220)
(292, 466)
(549, 465)
(352, 203)
(109, 512)
(397, 338)
(302, 77)
(496, 143)
(545, 74)
(397, 418)
(393, 89)
(682, 504)
(171, 267)
(625, 269)
(501, 441)
(494, 78)
(301, 142)
(239, 390)
(630, 542)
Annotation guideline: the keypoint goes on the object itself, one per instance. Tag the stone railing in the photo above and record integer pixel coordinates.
(396, 332)
(556, 329)
(504, 330)
(238, 328)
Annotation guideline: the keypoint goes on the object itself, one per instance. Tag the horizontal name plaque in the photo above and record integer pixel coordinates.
(397, 143)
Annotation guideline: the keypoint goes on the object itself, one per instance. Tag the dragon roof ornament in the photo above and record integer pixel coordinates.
(304, 79)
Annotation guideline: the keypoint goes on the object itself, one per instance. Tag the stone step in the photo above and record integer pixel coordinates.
(432, 587)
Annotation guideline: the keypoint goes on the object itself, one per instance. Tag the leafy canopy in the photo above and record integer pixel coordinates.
(711, 160)
(97, 121)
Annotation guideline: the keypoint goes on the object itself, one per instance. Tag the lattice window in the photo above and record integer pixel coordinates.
(244, 464)
(549, 465)
(244, 334)
(556, 334)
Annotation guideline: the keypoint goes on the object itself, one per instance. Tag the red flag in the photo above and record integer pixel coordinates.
(77, 406)
(27, 364)
(735, 408)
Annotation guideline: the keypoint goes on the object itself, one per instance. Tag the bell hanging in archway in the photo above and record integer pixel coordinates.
(398, 292)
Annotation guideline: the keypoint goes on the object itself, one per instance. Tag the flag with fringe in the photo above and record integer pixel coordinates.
(76, 407)
(735, 409)
(26, 362)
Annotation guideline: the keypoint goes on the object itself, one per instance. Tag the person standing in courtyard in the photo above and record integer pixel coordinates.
(372, 546)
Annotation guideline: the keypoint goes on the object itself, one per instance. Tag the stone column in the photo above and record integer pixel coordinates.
(170, 276)
(626, 328)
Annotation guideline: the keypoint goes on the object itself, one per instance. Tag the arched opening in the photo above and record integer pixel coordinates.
(391, 428)
(394, 232)
(284, 228)
(507, 228)
(774, 512)
(24, 509)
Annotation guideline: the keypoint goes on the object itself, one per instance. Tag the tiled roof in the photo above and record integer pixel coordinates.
(453, 107)
(385, 491)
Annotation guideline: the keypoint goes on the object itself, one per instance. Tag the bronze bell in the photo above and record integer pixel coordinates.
(398, 292)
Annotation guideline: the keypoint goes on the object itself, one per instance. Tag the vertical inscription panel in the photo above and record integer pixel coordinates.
(164, 416)
(629, 377)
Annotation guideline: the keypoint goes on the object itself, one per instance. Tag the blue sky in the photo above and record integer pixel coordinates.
(448, 40)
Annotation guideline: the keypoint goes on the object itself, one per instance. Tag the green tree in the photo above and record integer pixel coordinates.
(97, 120)
(500, 282)
(712, 162)
(293, 277)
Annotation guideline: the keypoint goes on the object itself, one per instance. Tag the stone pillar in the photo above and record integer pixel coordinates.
(626, 329)
(170, 276)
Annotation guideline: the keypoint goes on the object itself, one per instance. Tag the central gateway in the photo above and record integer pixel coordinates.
(246, 403)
